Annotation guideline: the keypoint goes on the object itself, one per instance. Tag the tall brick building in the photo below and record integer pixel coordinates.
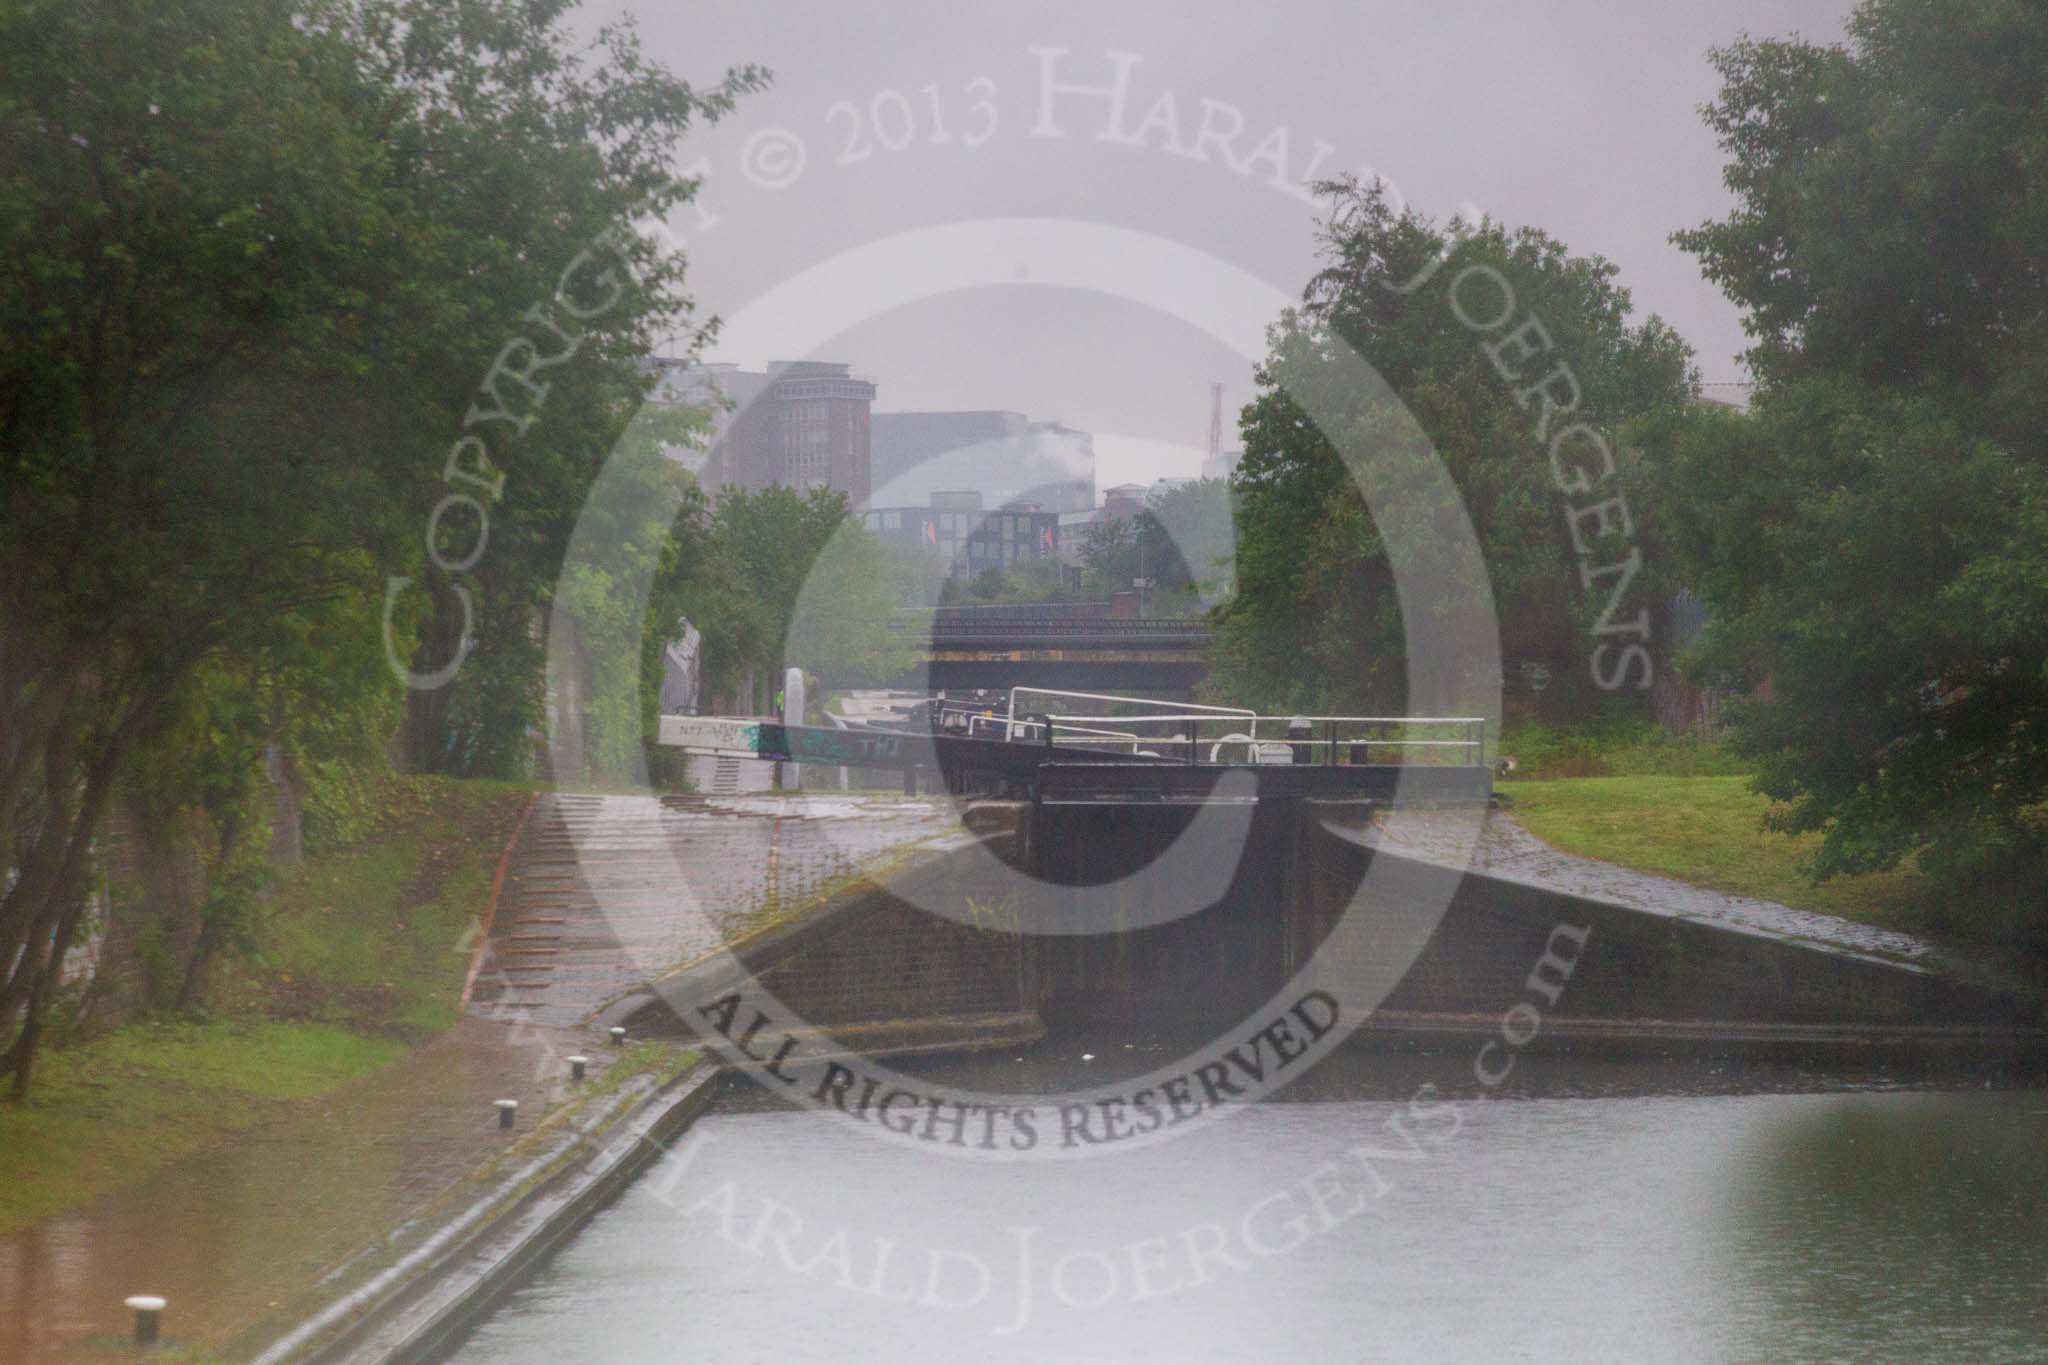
(803, 424)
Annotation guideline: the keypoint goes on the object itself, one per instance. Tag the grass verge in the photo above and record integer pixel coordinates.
(1706, 831)
(360, 955)
(110, 1111)
(375, 937)
(1616, 749)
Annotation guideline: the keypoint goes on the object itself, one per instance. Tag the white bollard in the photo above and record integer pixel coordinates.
(576, 1065)
(618, 1035)
(148, 1308)
(507, 1111)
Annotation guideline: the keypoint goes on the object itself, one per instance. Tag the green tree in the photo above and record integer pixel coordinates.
(1180, 542)
(917, 576)
(1109, 550)
(1872, 537)
(538, 150)
(1023, 581)
(1193, 525)
(793, 579)
(620, 612)
(1314, 621)
(255, 257)
(841, 628)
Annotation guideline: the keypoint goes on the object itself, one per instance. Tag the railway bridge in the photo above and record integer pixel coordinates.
(1080, 646)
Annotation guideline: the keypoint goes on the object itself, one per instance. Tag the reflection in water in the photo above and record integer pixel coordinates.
(1850, 1226)
(1877, 1219)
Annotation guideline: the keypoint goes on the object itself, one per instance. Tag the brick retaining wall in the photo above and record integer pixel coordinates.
(872, 954)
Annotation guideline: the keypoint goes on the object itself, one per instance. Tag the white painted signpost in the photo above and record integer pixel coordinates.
(793, 714)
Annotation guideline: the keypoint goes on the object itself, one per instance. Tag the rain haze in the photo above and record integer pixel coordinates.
(1091, 680)
(1580, 118)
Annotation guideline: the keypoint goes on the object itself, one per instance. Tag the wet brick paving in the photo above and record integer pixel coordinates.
(606, 892)
(230, 1232)
(603, 891)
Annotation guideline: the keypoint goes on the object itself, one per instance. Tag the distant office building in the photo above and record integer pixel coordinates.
(803, 424)
(956, 532)
(1004, 456)
(1123, 502)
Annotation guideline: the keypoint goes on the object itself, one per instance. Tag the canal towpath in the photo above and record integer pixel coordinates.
(243, 1237)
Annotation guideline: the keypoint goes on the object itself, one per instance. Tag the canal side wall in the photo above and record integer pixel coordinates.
(1188, 924)
(869, 964)
(1641, 974)
(1638, 969)
(408, 1298)
(873, 958)
(886, 960)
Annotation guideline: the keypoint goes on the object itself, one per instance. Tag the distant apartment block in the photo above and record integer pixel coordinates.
(1004, 456)
(953, 529)
(803, 424)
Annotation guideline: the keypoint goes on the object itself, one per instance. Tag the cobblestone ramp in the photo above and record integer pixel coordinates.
(606, 892)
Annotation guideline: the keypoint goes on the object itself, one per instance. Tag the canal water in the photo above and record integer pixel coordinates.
(1385, 1212)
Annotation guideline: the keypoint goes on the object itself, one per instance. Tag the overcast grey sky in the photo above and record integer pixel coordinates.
(917, 120)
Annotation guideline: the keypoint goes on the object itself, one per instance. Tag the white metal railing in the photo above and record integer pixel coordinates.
(1218, 734)
(1191, 707)
(1289, 739)
(982, 723)
(990, 727)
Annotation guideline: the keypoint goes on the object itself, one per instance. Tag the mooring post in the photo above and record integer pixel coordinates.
(507, 1111)
(148, 1309)
(576, 1066)
(618, 1036)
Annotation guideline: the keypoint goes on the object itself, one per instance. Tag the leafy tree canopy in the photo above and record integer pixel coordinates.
(1437, 312)
(256, 258)
(792, 578)
(1872, 538)
(1180, 542)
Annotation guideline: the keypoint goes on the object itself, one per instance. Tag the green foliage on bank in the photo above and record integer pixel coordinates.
(1714, 830)
(1872, 536)
(317, 323)
(1421, 350)
(375, 936)
(778, 578)
(353, 957)
(107, 1114)
(1709, 831)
